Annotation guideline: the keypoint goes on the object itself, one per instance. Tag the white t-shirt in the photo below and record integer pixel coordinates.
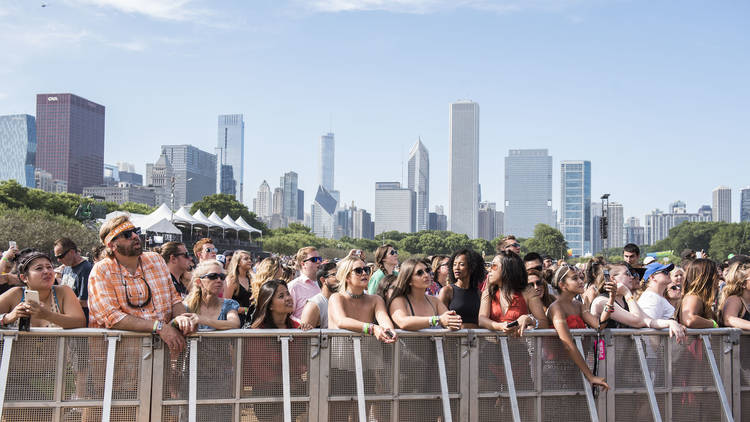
(655, 306)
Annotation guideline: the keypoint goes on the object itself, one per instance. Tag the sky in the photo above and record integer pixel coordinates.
(655, 94)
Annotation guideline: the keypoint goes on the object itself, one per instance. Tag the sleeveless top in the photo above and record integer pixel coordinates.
(575, 321)
(55, 306)
(516, 308)
(226, 306)
(746, 313)
(411, 308)
(466, 304)
(322, 303)
(611, 322)
(242, 296)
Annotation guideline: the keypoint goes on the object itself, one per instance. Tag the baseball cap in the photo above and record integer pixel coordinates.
(649, 260)
(655, 268)
(222, 259)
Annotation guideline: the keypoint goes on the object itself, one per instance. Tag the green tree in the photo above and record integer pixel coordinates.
(39, 229)
(430, 243)
(547, 241)
(483, 246)
(223, 204)
(730, 239)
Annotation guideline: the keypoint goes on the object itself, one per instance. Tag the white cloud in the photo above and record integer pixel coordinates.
(174, 10)
(134, 46)
(431, 6)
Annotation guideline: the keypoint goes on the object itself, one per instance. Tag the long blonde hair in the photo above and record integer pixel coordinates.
(267, 270)
(344, 269)
(736, 282)
(233, 270)
(193, 299)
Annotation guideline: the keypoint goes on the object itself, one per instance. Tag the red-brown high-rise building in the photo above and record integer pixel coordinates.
(70, 139)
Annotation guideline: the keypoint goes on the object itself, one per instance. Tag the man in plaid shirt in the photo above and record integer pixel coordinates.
(132, 290)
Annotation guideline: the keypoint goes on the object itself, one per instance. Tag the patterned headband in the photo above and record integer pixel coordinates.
(126, 225)
(28, 258)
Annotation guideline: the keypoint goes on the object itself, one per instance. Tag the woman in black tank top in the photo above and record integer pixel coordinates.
(462, 294)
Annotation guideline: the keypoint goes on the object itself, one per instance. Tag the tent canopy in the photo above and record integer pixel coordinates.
(242, 223)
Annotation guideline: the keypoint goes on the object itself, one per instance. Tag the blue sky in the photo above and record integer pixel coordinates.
(655, 94)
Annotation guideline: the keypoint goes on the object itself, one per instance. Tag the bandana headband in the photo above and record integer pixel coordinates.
(126, 225)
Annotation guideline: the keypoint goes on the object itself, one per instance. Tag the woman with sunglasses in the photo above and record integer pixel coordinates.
(674, 290)
(57, 307)
(351, 308)
(386, 259)
(508, 298)
(566, 313)
(239, 280)
(411, 308)
(462, 294)
(214, 313)
(540, 280)
(440, 272)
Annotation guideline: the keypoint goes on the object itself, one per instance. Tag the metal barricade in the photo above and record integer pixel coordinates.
(336, 375)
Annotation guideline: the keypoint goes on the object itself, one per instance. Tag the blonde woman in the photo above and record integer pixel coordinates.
(735, 303)
(268, 269)
(214, 313)
(239, 278)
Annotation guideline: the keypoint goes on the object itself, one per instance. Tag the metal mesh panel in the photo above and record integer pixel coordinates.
(499, 409)
(690, 366)
(696, 407)
(28, 415)
(216, 357)
(261, 367)
(636, 407)
(299, 366)
(176, 375)
(565, 408)
(745, 399)
(559, 373)
(491, 372)
(418, 366)
(377, 366)
(425, 410)
(628, 374)
(79, 368)
(118, 414)
(523, 356)
(345, 411)
(33, 366)
(127, 374)
(203, 413)
(745, 361)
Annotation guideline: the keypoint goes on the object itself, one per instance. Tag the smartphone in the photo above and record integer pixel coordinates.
(606, 274)
(513, 324)
(32, 296)
(358, 252)
(699, 255)
(12, 244)
(388, 333)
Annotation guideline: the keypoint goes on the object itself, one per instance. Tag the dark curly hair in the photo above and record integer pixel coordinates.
(477, 271)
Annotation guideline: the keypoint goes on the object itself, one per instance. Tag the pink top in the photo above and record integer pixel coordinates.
(301, 289)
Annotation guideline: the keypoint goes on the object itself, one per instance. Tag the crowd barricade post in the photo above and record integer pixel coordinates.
(336, 375)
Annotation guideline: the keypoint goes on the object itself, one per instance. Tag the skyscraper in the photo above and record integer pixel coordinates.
(528, 191)
(194, 171)
(722, 206)
(326, 161)
(419, 182)
(575, 205)
(263, 206)
(70, 139)
(289, 185)
(18, 148)
(745, 205)
(323, 213)
(463, 205)
(486, 220)
(616, 218)
(278, 201)
(230, 155)
(394, 208)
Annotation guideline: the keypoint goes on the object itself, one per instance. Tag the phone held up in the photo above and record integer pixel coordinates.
(24, 323)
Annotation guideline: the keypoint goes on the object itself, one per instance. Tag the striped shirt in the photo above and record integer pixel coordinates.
(108, 299)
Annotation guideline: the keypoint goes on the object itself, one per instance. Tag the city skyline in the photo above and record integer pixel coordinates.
(604, 82)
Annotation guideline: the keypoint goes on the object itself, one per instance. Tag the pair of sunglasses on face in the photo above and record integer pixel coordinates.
(127, 234)
(214, 276)
(361, 270)
(315, 259)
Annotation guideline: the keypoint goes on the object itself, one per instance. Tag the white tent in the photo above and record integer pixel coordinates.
(183, 216)
(151, 222)
(162, 211)
(203, 220)
(229, 222)
(214, 218)
(242, 223)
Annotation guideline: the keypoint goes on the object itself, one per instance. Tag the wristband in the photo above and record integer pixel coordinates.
(153, 330)
(2, 320)
(4, 259)
(366, 328)
(434, 321)
(716, 324)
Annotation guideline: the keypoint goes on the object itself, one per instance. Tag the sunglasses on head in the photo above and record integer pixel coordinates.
(214, 276)
(59, 257)
(127, 234)
(314, 259)
(421, 272)
(361, 270)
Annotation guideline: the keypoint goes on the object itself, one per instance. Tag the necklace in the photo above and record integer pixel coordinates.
(354, 296)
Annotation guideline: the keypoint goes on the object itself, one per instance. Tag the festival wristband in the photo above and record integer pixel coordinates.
(716, 324)
(156, 324)
(366, 328)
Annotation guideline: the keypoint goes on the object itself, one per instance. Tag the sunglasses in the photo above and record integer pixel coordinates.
(207, 250)
(214, 276)
(675, 288)
(420, 273)
(537, 284)
(514, 245)
(62, 255)
(494, 266)
(314, 259)
(393, 252)
(538, 268)
(361, 270)
(330, 275)
(177, 255)
(127, 234)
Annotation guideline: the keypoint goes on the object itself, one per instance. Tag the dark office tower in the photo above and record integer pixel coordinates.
(70, 139)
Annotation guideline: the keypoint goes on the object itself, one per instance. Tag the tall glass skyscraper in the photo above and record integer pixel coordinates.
(326, 161)
(70, 139)
(575, 205)
(463, 205)
(419, 182)
(528, 191)
(745, 205)
(230, 155)
(18, 147)
(289, 182)
(722, 201)
(194, 171)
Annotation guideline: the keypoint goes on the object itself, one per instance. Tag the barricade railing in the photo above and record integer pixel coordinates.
(336, 375)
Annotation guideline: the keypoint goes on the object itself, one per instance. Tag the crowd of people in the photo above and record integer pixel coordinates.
(172, 294)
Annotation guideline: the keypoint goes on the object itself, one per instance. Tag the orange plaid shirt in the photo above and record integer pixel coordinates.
(107, 301)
